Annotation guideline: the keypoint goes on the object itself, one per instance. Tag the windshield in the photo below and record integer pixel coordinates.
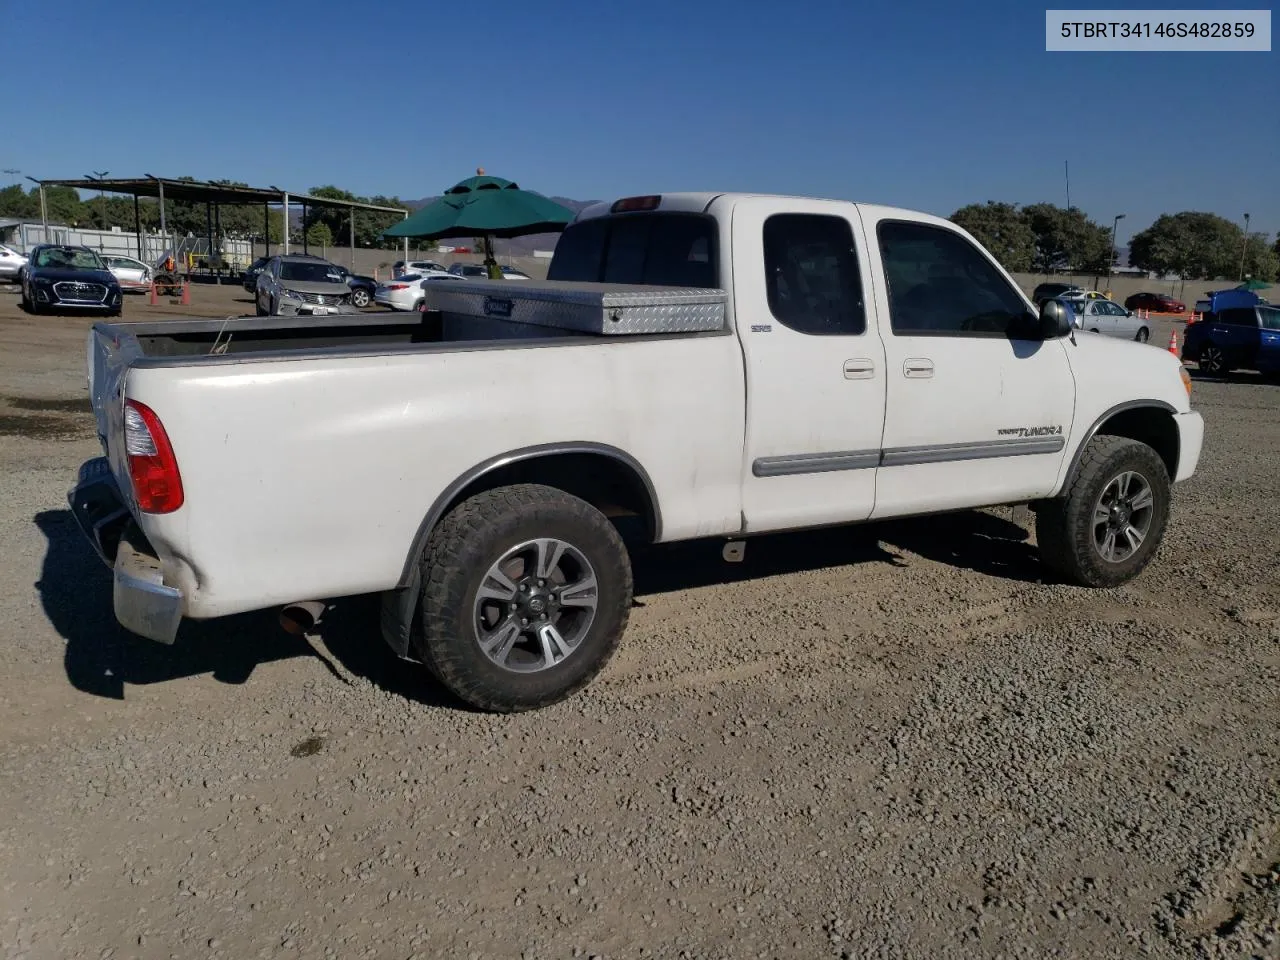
(69, 258)
(310, 272)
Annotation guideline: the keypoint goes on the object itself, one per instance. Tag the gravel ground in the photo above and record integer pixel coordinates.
(923, 752)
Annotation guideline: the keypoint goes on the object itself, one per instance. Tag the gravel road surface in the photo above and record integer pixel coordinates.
(883, 741)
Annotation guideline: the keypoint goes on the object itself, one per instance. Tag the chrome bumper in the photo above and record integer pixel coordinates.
(143, 603)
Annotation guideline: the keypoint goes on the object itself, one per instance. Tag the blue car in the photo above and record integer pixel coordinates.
(1235, 335)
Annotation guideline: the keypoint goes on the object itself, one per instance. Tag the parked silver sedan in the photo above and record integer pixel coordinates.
(1109, 319)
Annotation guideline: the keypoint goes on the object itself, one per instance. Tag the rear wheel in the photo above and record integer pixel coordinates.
(526, 594)
(1107, 528)
(1213, 361)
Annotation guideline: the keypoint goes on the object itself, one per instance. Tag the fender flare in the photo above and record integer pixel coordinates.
(1107, 414)
(400, 603)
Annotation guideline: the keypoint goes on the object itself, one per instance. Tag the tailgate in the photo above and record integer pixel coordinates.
(110, 351)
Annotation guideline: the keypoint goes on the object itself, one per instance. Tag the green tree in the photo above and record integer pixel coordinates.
(16, 202)
(369, 224)
(1002, 229)
(319, 235)
(1067, 240)
(1261, 261)
(1191, 244)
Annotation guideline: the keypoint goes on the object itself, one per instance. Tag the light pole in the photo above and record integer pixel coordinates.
(13, 172)
(97, 175)
(1244, 246)
(1110, 263)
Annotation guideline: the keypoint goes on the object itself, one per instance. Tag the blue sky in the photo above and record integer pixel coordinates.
(929, 105)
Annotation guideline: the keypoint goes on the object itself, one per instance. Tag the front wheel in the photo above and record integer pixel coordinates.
(360, 297)
(1143, 335)
(1107, 528)
(1213, 361)
(526, 593)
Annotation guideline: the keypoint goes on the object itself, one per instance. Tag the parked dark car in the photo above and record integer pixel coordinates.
(250, 275)
(1158, 302)
(362, 287)
(62, 277)
(1235, 338)
(1048, 291)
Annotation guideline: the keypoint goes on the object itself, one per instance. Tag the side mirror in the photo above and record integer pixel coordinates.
(1055, 320)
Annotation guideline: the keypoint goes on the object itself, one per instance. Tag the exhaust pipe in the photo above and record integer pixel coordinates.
(301, 617)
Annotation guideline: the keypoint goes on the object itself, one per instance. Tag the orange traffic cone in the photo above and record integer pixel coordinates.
(1173, 343)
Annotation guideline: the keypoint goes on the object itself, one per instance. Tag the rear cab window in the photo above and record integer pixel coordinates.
(640, 249)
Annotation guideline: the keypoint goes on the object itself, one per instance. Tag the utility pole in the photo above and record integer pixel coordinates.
(1111, 262)
(1244, 246)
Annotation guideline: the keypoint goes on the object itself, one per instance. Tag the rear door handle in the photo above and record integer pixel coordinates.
(917, 367)
(860, 369)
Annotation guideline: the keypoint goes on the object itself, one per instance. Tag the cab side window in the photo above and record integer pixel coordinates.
(812, 276)
(940, 284)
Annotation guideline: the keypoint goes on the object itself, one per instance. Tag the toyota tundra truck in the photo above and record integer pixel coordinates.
(696, 365)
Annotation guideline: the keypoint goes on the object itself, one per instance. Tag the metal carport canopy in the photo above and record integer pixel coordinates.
(201, 191)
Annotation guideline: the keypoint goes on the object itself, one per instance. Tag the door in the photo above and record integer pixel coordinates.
(814, 363)
(1238, 334)
(978, 407)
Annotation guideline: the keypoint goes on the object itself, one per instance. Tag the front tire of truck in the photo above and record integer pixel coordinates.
(526, 594)
(1107, 527)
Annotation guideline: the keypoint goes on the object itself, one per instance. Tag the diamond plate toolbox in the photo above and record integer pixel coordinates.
(602, 308)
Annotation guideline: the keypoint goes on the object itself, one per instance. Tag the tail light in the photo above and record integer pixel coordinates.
(397, 286)
(153, 469)
(636, 203)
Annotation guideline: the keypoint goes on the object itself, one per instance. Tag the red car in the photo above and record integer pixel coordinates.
(1154, 301)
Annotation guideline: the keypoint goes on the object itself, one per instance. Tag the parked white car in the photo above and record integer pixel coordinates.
(11, 263)
(130, 273)
(758, 364)
(1109, 319)
(421, 267)
(405, 293)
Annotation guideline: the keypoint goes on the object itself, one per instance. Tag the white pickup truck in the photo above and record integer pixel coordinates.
(706, 365)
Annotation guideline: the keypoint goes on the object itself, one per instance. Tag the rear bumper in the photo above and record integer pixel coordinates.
(1190, 443)
(143, 603)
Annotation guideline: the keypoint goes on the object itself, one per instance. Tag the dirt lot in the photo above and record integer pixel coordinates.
(884, 741)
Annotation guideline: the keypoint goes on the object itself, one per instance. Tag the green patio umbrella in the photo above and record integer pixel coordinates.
(1253, 285)
(488, 207)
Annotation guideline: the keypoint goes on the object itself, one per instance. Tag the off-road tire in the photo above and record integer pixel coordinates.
(458, 555)
(1064, 529)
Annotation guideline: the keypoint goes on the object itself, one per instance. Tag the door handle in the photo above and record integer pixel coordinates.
(917, 367)
(860, 369)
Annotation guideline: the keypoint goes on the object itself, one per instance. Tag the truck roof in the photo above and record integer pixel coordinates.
(698, 202)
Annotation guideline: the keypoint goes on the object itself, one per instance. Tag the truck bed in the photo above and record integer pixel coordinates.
(461, 312)
(252, 335)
